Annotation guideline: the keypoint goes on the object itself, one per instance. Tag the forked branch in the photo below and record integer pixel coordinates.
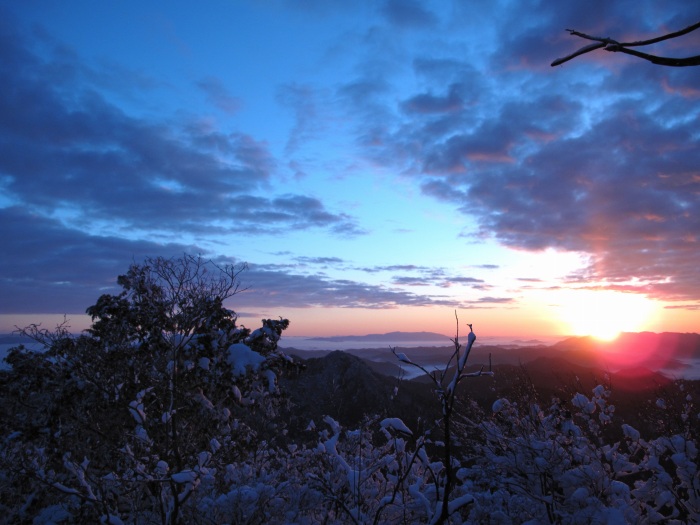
(623, 47)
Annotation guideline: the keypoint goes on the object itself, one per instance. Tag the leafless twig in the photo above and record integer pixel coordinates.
(623, 47)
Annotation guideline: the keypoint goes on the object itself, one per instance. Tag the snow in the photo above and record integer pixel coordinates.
(185, 476)
(582, 402)
(237, 395)
(404, 478)
(241, 357)
(111, 520)
(463, 358)
(396, 424)
(271, 380)
(404, 358)
(499, 405)
(630, 432)
(52, 515)
(137, 411)
(162, 468)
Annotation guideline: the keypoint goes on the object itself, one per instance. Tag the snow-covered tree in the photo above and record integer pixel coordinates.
(129, 419)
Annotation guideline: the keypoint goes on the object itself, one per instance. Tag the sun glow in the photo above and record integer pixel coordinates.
(603, 314)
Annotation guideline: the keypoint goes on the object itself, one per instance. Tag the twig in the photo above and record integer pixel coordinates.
(614, 46)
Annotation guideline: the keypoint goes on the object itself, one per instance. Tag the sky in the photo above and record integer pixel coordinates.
(378, 165)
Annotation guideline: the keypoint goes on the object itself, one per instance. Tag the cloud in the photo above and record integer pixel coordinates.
(54, 269)
(270, 288)
(429, 103)
(622, 192)
(308, 122)
(291, 211)
(218, 95)
(494, 300)
(324, 261)
(67, 150)
(599, 157)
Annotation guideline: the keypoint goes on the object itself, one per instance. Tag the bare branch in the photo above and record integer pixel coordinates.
(583, 50)
(654, 59)
(663, 37)
(614, 46)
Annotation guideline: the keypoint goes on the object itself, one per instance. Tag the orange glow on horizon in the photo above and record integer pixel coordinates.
(603, 314)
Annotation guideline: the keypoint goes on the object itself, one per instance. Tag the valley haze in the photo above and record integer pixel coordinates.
(673, 354)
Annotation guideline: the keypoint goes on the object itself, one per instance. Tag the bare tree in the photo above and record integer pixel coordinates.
(624, 47)
(455, 372)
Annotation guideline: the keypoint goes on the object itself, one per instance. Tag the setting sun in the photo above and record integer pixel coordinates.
(603, 314)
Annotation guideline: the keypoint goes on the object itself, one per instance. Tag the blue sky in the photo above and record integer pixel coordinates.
(378, 165)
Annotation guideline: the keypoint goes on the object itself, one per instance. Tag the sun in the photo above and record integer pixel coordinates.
(603, 314)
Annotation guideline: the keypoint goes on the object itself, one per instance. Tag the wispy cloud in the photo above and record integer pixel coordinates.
(218, 95)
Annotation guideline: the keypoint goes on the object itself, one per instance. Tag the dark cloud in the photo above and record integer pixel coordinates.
(429, 103)
(410, 281)
(425, 276)
(65, 147)
(53, 269)
(535, 45)
(489, 303)
(599, 157)
(622, 192)
(683, 307)
(264, 215)
(464, 280)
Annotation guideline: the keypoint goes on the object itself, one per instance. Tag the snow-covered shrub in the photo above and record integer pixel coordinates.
(557, 465)
(548, 464)
(403, 477)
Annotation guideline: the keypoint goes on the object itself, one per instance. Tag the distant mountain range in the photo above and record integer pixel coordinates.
(347, 385)
(670, 353)
(391, 336)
